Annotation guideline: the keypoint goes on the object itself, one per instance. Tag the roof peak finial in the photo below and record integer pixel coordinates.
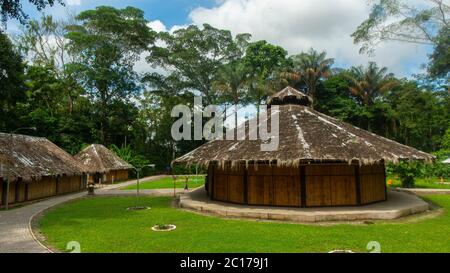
(290, 95)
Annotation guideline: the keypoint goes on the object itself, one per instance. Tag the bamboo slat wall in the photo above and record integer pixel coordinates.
(323, 185)
(371, 188)
(20, 191)
(330, 185)
(111, 176)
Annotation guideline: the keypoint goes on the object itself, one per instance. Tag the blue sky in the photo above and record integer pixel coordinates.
(295, 25)
(171, 12)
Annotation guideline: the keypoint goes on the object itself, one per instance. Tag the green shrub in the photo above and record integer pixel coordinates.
(407, 171)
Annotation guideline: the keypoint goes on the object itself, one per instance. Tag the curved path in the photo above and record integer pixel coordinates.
(15, 233)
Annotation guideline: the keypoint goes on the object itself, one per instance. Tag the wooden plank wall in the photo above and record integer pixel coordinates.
(210, 178)
(229, 184)
(330, 185)
(41, 189)
(266, 185)
(118, 175)
(325, 185)
(46, 187)
(1, 191)
(70, 184)
(373, 183)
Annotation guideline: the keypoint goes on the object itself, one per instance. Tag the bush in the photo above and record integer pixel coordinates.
(407, 172)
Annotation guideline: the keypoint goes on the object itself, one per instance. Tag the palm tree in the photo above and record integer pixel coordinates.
(231, 82)
(312, 67)
(368, 83)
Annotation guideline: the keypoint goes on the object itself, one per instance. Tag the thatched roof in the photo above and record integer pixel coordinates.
(290, 95)
(306, 135)
(98, 158)
(30, 158)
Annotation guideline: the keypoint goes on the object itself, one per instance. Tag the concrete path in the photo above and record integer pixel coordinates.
(417, 191)
(398, 204)
(15, 233)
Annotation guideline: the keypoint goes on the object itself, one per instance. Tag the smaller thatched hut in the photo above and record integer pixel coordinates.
(320, 161)
(33, 167)
(106, 166)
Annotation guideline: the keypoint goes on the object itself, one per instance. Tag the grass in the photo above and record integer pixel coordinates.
(423, 183)
(167, 183)
(103, 224)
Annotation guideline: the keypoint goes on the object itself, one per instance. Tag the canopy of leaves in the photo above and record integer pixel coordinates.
(399, 20)
(368, 83)
(12, 87)
(439, 65)
(12, 9)
(193, 55)
(107, 43)
(311, 67)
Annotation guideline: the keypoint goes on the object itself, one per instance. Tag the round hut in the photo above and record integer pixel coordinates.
(104, 164)
(320, 161)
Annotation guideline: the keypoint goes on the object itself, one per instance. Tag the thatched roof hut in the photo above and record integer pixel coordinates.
(33, 167)
(31, 158)
(320, 161)
(99, 159)
(306, 135)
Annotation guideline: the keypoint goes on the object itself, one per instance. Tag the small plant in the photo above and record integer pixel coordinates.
(163, 227)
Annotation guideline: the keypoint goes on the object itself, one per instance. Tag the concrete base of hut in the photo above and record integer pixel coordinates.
(398, 204)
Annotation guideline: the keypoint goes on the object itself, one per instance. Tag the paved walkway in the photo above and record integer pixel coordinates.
(423, 191)
(15, 235)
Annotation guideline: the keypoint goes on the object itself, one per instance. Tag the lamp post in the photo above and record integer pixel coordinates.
(138, 170)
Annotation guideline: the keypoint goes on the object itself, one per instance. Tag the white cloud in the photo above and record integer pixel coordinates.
(157, 26)
(73, 2)
(299, 25)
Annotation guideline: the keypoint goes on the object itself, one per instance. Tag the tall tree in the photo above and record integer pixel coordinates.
(231, 82)
(264, 61)
(12, 87)
(426, 22)
(13, 8)
(399, 20)
(45, 44)
(193, 55)
(439, 65)
(312, 67)
(107, 43)
(370, 82)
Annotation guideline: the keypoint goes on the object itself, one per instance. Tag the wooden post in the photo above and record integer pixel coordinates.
(212, 181)
(57, 185)
(7, 194)
(384, 179)
(26, 192)
(17, 192)
(137, 187)
(302, 186)
(245, 186)
(358, 184)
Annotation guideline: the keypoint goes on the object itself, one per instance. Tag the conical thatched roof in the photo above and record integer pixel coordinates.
(306, 136)
(30, 158)
(98, 158)
(290, 95)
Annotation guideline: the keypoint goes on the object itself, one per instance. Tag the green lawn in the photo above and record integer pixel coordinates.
(424, 183)
(167, 182)
(103, 224)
